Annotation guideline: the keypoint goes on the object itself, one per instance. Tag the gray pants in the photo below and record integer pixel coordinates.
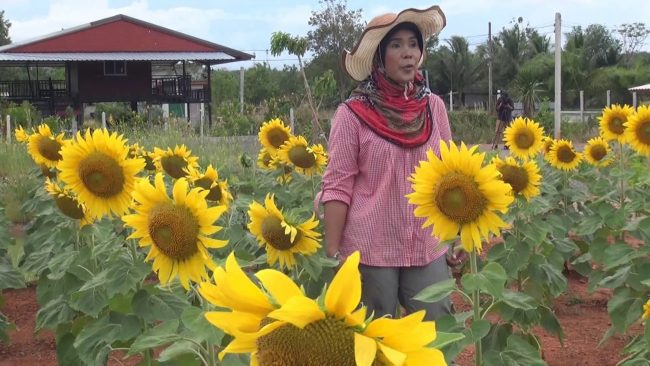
(383, 287)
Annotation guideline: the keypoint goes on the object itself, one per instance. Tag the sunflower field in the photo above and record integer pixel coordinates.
(145, 252)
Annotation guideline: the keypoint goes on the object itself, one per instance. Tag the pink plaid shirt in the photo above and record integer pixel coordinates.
(370, 174)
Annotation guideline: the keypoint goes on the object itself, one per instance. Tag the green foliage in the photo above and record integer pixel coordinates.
(23, 114)
(472, 126)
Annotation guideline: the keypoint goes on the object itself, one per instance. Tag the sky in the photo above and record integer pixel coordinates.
(247, 25)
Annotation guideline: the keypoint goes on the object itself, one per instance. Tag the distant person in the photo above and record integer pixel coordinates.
(504, 107)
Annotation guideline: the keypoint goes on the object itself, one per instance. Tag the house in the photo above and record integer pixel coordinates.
(116, 59)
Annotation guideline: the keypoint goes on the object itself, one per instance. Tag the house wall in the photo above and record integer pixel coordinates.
(94, 86)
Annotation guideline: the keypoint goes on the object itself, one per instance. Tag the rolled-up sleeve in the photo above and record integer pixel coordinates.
(338, 180)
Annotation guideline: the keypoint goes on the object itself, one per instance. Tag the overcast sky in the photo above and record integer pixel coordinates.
(247, 25)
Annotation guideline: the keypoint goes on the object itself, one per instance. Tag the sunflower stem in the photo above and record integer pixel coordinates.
(621, 162)
(476, 305)
(212, 355)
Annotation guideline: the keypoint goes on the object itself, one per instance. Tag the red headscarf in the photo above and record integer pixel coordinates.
(398, 114)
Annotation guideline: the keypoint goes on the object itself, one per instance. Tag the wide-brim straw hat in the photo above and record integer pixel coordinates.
(358, 62)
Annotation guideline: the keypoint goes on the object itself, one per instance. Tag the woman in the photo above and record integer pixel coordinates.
(378, 136)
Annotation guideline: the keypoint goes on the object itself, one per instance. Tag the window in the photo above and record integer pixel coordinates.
(115, 68)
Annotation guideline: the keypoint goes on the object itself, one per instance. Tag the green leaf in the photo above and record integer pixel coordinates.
(617, 254)
(124, 275)
(617, 279)
(158, 305)
(159, 335)
(491, 279)
(90, 302)
(10, 277)
(37, 261)
(589, 225)
(520, 352)
(624, 308)
(60, 264)
(176, 350)
(53, 313)
(534, 233)
(93, 342)
(550, 322)
(437, 291)
(443, 339)
(194, 319)
(553, 279)
(66, 354)
(479, 329)
(518, 300)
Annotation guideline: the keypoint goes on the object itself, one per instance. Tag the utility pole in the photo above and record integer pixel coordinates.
(490, 109)
(558, 76)
(241, 90)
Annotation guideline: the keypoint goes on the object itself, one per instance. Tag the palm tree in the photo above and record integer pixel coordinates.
(527, 88)
(456, 66)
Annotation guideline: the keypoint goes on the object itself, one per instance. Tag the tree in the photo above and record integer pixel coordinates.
(5, 24)
(633, 36)
(297, 46)
(336, 29)
(455, 67)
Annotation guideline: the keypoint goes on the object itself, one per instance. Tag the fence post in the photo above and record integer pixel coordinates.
(451, 101)
(104, 120)
(634, 100)
(292, 120)
(582, 106)
(201, 122)
(8, 129)
(609, 98)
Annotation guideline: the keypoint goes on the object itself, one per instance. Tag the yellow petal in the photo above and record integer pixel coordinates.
(365, 350)
(344, 292)
(281, 287)
(426, 357)
(299, 311)
(395, 357)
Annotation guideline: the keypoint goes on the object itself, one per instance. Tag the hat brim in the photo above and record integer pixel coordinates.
(358, 62)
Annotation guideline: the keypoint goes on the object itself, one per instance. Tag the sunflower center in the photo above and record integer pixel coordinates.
(101, 175)
(174, 230)
(301, 157)
(266, 159)
(215, 193)
(69, 207)
(273, 233)
(516, 176)
(643, 132)
(598, 152)
(524, 138)
(277, 137)
(565, 154)
(46, 172)
(616, 125)
(327, 342)
(174, 165)
(459, 198)
(49, 148)
(148, 163)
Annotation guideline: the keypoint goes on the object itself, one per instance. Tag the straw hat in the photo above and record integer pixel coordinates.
(358, 62)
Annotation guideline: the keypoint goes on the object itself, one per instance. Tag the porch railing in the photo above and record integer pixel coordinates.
(33, 89)
(176, 87)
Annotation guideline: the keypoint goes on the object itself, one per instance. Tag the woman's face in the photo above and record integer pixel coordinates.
(402, 56)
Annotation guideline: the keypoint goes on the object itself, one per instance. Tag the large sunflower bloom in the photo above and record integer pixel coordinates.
(597, 152)
(524, 178)
(67, 203)
(455, 193)
(21, 135)
(281, 239)
(175, 162)
(612, 122)
(303, 158)
(281, 326)
(209, 181)
(637, 130)
(273, 134)
(176, 229)
(44, 147)
(97, 169)
(264, 159)
(563, 155)
(524, 138)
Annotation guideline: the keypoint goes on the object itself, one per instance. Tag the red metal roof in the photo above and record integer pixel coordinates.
(119, 33)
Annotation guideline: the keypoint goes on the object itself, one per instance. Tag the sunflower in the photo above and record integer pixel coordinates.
(273, 134)
(597, 152)
(218, 189)
(524, 178)
(612, 122)
(279, 325)
(547, 142)
(176, 229)
(45, 148)
(21, 135)
(455, 193)
(96, 168)
(175, 162)
(67, 203)
(281, 239)
(524, 138)
(285, 170)
(646, 310)
(264, 159)
(563, 156)
(304, 159)
(637, 130)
